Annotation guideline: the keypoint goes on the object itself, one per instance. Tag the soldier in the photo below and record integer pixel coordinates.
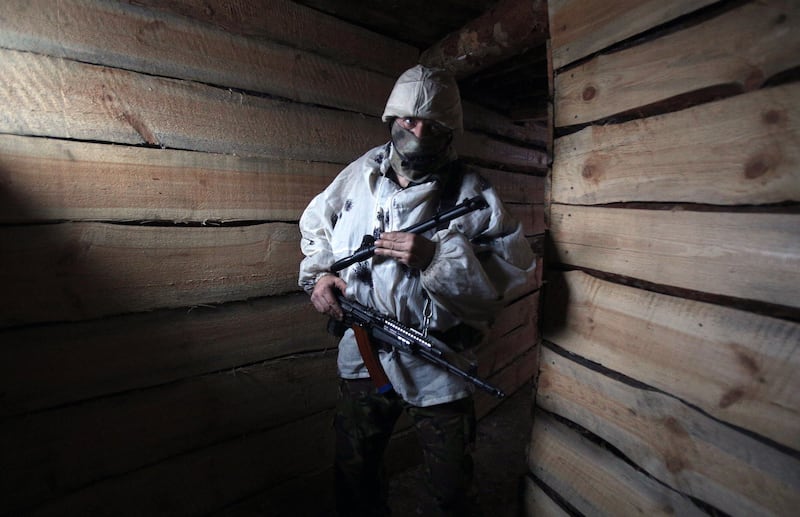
(448, 281)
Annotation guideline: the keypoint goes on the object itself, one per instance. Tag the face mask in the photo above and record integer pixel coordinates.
(417, 158)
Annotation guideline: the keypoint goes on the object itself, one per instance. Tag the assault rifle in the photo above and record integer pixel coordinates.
(393, 335)
(367, 248)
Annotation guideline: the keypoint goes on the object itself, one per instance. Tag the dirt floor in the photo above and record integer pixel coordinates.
(499, 465)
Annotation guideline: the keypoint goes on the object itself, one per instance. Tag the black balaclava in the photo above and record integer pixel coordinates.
(418, 158)
(430, 94)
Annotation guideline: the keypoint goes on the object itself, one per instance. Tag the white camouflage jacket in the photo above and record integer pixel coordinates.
(482, 261)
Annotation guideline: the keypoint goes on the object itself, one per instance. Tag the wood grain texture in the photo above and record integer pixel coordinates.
(501, 351)
(682, 447)
(58, 98)
(595, 481)
(77, 271)
(59, 451)
(50, 179)
(272, 47)
(488, 150)
(297, 26)
(513, 377)
(65, 99)
(744, 150)
(480, 119)
(581, 27)
(46, 366)
(120, 36)
(736, 366)
(531, 217)
(520, 313)
(536, 502)
(506, 30)
(740, 48)
(227, 471)
(513, 187)
(753, 256)
(289, 498)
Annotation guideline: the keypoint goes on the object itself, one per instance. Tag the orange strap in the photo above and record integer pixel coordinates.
(370, 357)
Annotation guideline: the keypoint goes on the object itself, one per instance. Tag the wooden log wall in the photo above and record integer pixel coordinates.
(671, 324)
(156, 354)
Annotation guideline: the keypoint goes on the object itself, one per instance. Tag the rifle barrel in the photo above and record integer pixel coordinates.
(367, 248)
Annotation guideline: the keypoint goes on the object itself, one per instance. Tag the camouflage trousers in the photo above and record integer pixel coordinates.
(364, 423)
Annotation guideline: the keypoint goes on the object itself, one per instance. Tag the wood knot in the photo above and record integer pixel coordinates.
(731, 397)
(675, 464)
(589, 93)
(543, 384)
(759, 165)
(674, 426)
(755, 168)
(748, 363)
(591, 172)
(773, 117)
(149, 30)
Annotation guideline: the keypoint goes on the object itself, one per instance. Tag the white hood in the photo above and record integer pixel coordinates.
(428, 93)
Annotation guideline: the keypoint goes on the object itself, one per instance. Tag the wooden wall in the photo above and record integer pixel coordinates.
(668, 380)
(156, 354)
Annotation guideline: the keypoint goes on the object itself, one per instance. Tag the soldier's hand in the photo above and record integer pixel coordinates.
(323, 297)
(411, 249)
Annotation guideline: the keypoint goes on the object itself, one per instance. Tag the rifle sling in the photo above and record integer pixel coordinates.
(370, 356)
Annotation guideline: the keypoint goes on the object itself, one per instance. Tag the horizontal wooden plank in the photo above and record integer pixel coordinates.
(531, 217)
(680, 446)
(482, 120)
(754, 256)
(520, 313)
(487, 150)
(513, 187)
(497, 35)
(258, 49)
(46, 96)
(742, 150)
(513, 334)
(300, 27)
(742, 47)
(58, 98)
(53, 453)
(536, 502)
(76, 271)
(188, 413)
(593, 480)
(45, 366)
(118, 35)
(501, 352)
(206, 480)
(513, 377)
(289, 498)
(736, 366)
(275, 47)
(581, 27)
(49, 179)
